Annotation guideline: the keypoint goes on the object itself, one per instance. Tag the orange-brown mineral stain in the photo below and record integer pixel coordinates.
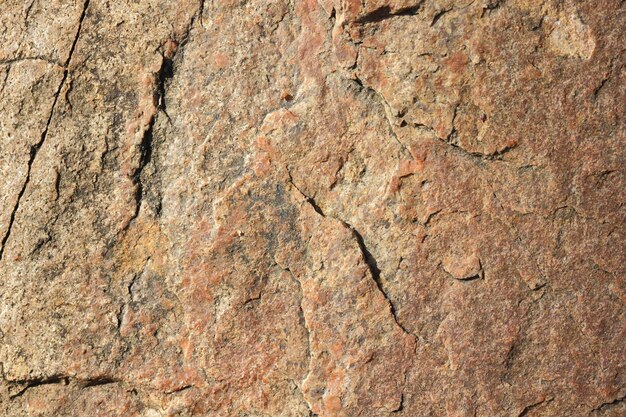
(332, 404)
(456, 63)
(263, 158)
(311, 40)
(221, 60)
(143, 239)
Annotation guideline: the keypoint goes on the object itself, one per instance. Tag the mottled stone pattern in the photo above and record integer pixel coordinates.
(298, 208)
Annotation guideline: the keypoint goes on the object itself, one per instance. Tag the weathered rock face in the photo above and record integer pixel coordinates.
(312, 208)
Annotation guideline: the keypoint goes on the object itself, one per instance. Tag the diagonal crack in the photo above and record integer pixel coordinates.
(369, 259)
(308, 199)
(374, 270)
(387, 110)
(165, 72)
(145, 146)
(372, 265)
(34, 150)
(5, 79)
(201, 11)
(439, 15)
(162, 76)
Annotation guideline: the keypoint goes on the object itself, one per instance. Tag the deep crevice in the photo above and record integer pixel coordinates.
(374, 270)
(384, 13)
(55, 379)
(94, 382)
(613, 403)
(34, 150)
(400, 406)
(146, 148)
(439, 15)
(165, 73)
(201, 11)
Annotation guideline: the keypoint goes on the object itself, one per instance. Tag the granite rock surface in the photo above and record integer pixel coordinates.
(297, 208)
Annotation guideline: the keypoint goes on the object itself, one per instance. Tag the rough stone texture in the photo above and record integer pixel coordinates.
(312, 208)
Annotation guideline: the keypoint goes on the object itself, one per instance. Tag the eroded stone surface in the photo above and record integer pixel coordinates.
(312, 208)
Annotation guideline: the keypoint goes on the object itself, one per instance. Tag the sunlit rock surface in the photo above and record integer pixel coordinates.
(297, 208)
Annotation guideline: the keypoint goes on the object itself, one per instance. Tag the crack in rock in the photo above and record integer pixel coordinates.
(385, 13)
(64, 380)
(374, 270)
(34, 150)
(531, 407)
(605, 406)
(367, 256)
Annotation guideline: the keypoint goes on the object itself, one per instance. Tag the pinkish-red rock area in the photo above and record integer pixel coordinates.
(299, 208)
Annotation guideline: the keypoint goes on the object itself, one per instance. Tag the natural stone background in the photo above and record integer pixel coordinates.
(312, 208)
